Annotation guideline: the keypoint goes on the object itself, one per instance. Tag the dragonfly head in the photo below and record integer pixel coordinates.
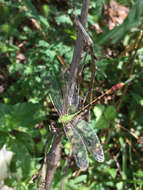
(63, 119)
(66, 118)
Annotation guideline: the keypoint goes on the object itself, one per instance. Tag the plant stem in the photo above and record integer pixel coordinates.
(53, 159)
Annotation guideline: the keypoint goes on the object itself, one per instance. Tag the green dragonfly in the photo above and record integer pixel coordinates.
(79, 133)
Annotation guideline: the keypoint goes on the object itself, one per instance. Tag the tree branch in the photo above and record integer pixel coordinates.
(52, 160)
(54, 154)
(78, 48)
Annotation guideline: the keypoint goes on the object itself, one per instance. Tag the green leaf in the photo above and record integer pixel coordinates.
(16, 67)
(120, 185)
(43, 43)
(81, 178)
(3, 138)
(98, 111)
(138, 98)
(102, 123)
(31, 9)
(24, 164)
(20, 115)
(63, 19)
(27, 140)
(110, 113)
(139, 173)
(6, 28)
(44, 21)
(111, 171)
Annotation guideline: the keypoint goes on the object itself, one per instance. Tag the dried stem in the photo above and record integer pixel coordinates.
(53, 159)
(78, 48)
(93, 69)
(90, 48)
(54, 154)
(44, 167)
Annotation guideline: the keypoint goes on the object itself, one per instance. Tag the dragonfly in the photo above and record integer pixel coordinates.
(80, 134)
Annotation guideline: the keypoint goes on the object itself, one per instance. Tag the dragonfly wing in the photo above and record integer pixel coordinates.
(91, 140)
(61, 95)
(78, 147)
(56, 102)
(56, 91)
(73, 100)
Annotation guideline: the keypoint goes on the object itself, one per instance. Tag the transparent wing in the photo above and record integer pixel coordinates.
(73, 101)
(91, 140)
(78, 147)
(57, 84)
(57, 103)
(59, 93)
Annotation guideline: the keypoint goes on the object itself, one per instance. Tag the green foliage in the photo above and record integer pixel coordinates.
(31, 33)
(133, 19)
(22, 115)
(17, 131)
(104, 116)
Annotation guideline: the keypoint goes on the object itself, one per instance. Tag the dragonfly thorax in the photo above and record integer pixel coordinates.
(66, 118)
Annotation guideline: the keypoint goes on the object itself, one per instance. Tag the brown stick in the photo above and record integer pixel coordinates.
(90, 46)
(54, 154)
(52, 160)
(78, 49)
(93, 69)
